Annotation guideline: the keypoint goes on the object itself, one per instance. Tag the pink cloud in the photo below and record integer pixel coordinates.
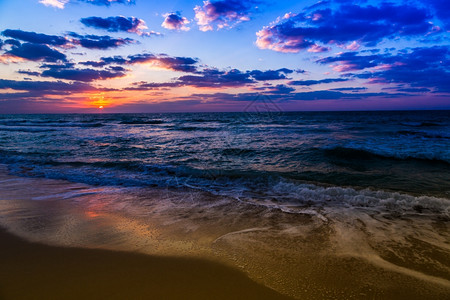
(267, 39)
(223, 14)
(174, 21)
(318, 49)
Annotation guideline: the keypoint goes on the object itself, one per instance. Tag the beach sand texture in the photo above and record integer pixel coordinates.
(301, 256)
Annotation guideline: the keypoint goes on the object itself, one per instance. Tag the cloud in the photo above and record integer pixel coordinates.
(28, 72)
(54, 3)
(44, 40)
(144, 86)
(214, 78)
(174, 21)
(413, 90)
(93, 63)
(343, 23)
(335, 95)
(36, 52)
(85, 75)
(422, 67)
(441, 10)
(314, 82)
(288, 96)
(351, 89)
(61, 3)
(108, 2)
(352, 61)
(270, 74)
(35, 38)
(119, 23)
(99, 42)
(280, 89)
(45, 87)
(223, 14)
(12, 42)
(66, 65)
(163, 61)
(183, 64)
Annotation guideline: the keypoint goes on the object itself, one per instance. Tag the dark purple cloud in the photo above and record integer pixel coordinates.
(270, 74)
(61, 3)
(119, 23)
(119, 60)
(418, 67)
(36, 52)
(290, 97)
(99, 42)
(351, 89)
(35, 38)
(44, 40)
(280, 89)
(93, 63)
(175, 63)
(335, 95)
(411, 90)
(66, 65)
(28, 72)
(12, 42)
(174, 21)
(85, 75)
(314, 82)
(164, 61)
(108, 2)
(144, 86)
(45, 87)
(352, 61)
(204, 77)
(117, 69)
(344, 23)
(213, 78)
(223, 13)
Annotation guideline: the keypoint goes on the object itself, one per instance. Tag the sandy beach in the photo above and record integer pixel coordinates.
(36, 271)
(66, 240)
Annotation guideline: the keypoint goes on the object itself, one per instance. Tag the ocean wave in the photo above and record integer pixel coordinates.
(429, 135)
(142, 122)
(237, 152)
(26, 129)
(262, 188)
(294, 197)
(362, 153)
(193, 128)
(420, 124)
(55, 126)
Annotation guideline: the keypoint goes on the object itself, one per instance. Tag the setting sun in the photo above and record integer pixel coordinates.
(100, 107)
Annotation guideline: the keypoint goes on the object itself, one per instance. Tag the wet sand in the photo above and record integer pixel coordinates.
(36, 271)
(197, 246)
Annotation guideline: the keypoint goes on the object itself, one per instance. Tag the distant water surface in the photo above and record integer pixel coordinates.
(235, 152)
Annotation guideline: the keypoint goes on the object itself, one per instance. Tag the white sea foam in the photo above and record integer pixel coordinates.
(383, 201)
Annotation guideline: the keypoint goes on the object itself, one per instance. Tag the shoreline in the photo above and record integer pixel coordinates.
(160, 246)
(37, 271)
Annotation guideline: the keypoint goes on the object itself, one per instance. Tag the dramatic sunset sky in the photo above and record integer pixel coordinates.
(172, 56)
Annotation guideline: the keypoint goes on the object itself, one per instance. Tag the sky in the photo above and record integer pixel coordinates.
(82, 56)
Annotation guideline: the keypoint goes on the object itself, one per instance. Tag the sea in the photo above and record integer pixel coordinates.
(297, 200)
